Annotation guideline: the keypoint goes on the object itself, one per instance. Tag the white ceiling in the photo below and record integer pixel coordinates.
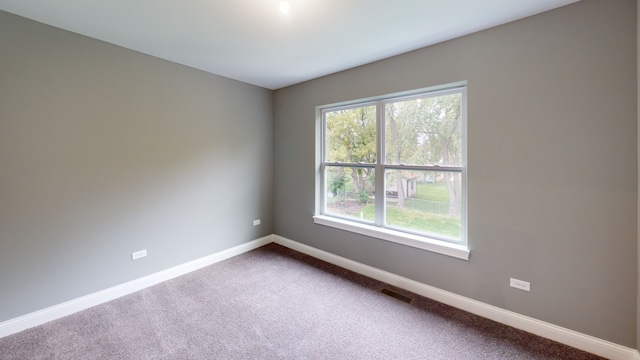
(252, 41)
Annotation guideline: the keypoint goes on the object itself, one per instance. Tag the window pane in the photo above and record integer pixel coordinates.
(424, 131)
(424, 202)
(350, 192)
(351, 135)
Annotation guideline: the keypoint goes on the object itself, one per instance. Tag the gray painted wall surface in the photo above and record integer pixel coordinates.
(105, 151)
(552, 165)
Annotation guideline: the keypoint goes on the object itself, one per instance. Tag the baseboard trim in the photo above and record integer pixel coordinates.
(67, 308)
(562, 335)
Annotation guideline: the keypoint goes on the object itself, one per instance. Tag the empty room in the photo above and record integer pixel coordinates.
(319, 179)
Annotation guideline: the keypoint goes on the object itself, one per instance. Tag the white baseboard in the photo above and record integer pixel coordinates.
(67, 308)
(562, 335)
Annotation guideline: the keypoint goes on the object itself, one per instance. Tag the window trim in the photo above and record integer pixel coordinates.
(451, 248)
(421, 242)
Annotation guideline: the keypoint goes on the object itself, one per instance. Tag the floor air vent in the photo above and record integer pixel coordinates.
(397, 296)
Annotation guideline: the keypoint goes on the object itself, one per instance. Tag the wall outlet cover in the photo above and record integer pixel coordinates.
(138, 254)
(520, 284)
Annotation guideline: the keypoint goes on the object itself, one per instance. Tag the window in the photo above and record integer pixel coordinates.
(394, 168)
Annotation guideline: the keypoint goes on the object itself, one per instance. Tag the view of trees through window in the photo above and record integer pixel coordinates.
(419, 166)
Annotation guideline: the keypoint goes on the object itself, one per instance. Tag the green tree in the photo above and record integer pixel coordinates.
(400, 142)
(351, 138)
(426, 132)
(444, 131)
(337, 181)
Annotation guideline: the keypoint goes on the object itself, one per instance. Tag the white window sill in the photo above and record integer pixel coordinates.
(420, 242)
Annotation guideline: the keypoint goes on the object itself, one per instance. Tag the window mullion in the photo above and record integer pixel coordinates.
(379, 179)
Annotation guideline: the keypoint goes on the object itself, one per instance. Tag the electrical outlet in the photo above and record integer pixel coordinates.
(256, 222)
(138, 254)
(520, 284)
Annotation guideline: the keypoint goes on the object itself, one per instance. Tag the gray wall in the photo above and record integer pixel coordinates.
(105, 151)
(552, 168)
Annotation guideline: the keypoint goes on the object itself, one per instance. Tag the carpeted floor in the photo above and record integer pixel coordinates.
(275, 303)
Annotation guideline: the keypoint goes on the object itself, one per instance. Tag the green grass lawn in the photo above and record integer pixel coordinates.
(432, 192)
(421, 216)
(418, 221)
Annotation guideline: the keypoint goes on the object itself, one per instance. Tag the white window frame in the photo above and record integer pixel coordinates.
(457, 249)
